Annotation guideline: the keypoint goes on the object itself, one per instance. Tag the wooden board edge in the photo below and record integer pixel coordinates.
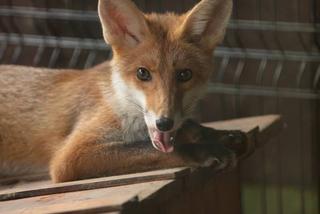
(96, 183)
(271, 131)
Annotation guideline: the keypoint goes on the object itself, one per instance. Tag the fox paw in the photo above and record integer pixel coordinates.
(225, 163)
(235, 141)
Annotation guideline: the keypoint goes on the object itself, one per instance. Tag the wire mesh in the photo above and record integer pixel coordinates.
(268, 63)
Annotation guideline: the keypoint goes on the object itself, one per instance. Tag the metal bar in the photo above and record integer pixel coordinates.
(90, 59)
(261, 71)
(222, 68)
(268, 54)
(263, 91)
(52, 41)
(316, 16)
(38, 55)
(241, 62)
(300, 75)
(62, 14)
(271, 26)
(74, 58)
(277, 74)
(259, 81)
(99, 44)
(54, 57)
(19, 45)
(16, 54)
(78, 15)
(238, 72)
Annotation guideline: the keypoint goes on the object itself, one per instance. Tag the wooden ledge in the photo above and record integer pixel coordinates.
(96, 183)
(133, 193)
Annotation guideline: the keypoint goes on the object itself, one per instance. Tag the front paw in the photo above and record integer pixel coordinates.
(208, 155)
(193, 133)
(225, 163)
(235, 141)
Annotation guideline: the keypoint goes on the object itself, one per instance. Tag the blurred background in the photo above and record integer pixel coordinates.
(269, 63)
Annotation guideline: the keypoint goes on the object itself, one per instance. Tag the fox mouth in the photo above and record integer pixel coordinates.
(162, 141)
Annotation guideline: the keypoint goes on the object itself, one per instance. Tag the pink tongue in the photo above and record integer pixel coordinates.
(162, 141)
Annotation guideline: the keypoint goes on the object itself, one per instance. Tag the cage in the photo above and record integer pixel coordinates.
(269, 63)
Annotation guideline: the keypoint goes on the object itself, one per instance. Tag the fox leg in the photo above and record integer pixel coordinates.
(79, 160)
(86, 159)
(88, 154)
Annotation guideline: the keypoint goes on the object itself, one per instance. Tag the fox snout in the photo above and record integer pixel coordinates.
(163, 115)
(162, 130)
(164, 124)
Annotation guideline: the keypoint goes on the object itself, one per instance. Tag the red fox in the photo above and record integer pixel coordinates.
(100, 121)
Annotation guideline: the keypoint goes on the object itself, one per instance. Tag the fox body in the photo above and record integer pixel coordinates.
(80, 124)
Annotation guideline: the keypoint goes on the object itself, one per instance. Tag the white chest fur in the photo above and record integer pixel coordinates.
(129, 104)
(134, 128)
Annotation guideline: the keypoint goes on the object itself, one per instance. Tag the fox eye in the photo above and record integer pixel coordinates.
(143, 74)
(184, 75)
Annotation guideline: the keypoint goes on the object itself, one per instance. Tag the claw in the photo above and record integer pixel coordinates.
(211, 162)
(227, 164)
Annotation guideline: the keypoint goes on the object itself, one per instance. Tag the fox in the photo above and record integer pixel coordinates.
(132, 113)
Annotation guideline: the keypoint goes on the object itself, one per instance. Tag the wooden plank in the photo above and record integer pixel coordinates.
(246, 124)
(96, 200)
(95, 183)
(195, 193)
(151, 189)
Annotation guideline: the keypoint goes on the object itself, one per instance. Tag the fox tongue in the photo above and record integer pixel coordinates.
(162, 141)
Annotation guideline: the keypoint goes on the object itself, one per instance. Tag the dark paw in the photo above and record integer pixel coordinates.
(208, 155)
(225, 163)
(235, 141)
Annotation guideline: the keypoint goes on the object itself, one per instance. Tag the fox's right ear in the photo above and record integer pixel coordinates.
(123, 24)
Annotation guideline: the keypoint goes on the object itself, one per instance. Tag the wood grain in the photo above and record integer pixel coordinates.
(94, 183)
(89, 201)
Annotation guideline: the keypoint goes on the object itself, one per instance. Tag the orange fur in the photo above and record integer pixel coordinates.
(76, 124)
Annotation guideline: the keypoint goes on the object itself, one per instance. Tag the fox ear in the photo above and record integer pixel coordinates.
(123, 24)
(206, 23)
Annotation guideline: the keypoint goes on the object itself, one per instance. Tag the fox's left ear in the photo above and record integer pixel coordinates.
(206, 23)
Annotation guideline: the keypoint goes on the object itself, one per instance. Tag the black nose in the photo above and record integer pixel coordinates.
(164, 124)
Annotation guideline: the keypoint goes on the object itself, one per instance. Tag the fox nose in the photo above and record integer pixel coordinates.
(164, 124)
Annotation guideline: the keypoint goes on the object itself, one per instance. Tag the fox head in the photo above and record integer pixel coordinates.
(162, 62)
